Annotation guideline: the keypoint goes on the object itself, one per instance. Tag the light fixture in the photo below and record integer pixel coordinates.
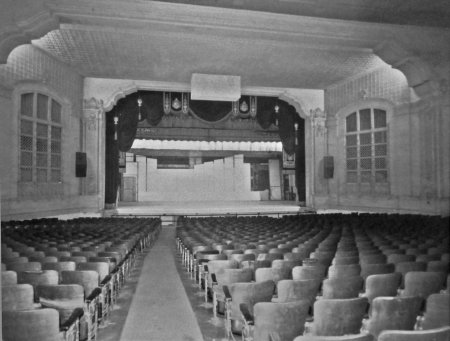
(139, 101)
(296, 136)
(277, 109)
(116, 122)
(176, 104)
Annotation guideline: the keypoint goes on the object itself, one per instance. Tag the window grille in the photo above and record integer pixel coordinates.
(366, 146)
(40, 138)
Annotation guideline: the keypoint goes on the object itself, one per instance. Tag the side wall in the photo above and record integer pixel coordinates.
(418, 147)
(30, 69)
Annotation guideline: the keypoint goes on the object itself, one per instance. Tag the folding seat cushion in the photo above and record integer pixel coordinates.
(437, 312)
(289, 290)
(354, 337)
(59, 266)
(88, 279)
(45, 259)
(317, 271)
(405, 267)
(240, 257)
(28, 266)
(375, 269)
(17, 297)
(397, 258)
(102, 268)
(438, 334)
(269, 256)
(26, 325)
(372, 259)
(36, 278)
(337, 317)
(382, 285)
(342, 287)
(293, 256)
(279, 321)
(345, 260)
(342, 271)
(75, 259)
(9, 277)
(423, 283)
(63, 297)
(392, 313)
(438, 266)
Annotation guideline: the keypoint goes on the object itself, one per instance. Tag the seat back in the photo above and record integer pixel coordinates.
(274, 274)
(17, 297)
(230, 276)
(102, 268)
(382, 285)
(423, 283)
(336, 317)
(438, 334)
(282, 321)
(343, 271)
(88, 279)
(405, 267)
(9, 277)
(28, 266)
(36, 278)
(342, 288)
(289, 290)
(396, 313)
(317, 271)
(26, 325)
(214, 266)
(63, 297)
(376, 268)
(437, 313)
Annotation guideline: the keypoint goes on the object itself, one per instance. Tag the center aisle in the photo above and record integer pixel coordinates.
(160, 310)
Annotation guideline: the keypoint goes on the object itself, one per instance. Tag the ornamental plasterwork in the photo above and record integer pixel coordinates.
(319, 119)
(92, 112)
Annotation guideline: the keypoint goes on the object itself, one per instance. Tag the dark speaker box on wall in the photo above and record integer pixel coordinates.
(328, 167)
(80, 165)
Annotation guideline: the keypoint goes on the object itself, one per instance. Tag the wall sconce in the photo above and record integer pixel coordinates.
(277, 109)
(139, 102)
(116, 122)
(296, 136)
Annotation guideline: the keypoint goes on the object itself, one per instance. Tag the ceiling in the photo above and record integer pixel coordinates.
(168, 41)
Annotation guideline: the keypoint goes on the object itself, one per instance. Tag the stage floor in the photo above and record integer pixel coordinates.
(176, 208)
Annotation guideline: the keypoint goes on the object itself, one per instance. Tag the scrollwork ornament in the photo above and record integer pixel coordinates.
(318, 119)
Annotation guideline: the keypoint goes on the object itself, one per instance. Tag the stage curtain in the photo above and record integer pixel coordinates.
(112, 175)
(211, 111)
(286, 119)
(265, 111)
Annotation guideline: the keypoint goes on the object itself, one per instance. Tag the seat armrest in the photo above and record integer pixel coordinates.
(106, 280)
(227, 293)
(214, 279)
(76, 314)
(94, 294)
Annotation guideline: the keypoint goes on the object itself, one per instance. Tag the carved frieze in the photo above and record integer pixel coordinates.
(318, 120)
(93, 111)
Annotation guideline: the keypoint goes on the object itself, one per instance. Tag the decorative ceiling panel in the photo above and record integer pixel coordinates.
(167, 56)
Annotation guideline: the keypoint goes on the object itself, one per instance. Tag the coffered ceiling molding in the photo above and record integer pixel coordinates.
(215, 87)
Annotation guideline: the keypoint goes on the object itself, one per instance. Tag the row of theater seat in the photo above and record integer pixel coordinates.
(322, 275)
(61, 279)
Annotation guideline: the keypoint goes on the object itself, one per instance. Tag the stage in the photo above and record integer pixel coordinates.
(208, 208)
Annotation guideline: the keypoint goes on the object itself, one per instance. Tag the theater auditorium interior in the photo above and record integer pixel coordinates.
(209, 170)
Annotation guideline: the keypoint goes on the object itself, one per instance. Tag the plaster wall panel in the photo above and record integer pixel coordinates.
(275, 179)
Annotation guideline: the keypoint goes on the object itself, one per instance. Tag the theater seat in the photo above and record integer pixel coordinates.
(277, 321)
(382, 285)
(289, 290)
(437, 312)
(423, 283)
(396, 313)
(338, 317)
(9, 278)
(339, 287)
(438, 334)
(17, 297)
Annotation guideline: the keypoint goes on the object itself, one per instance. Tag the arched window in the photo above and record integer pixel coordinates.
(40, 138)
(366, 135)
